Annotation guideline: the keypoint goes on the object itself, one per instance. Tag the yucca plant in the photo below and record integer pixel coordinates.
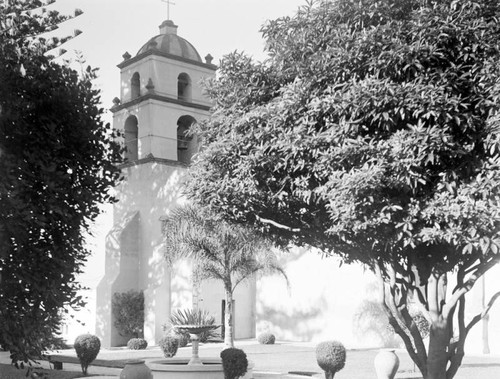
(181, 317)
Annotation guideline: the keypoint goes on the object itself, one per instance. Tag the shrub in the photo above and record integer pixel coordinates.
(331, 357)
(234, 363)
(266, 338)
(183, 338)
(169, 345)
(137, 344)
(193, 317)
(128, 311)
(87, 347)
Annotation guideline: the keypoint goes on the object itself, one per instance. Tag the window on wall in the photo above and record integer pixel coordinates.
(131, 139)
(184, 87)
(185, 145)
(135, 86)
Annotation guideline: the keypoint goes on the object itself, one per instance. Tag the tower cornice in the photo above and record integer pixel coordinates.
(159, 53)
(152, 159)
(155, 96)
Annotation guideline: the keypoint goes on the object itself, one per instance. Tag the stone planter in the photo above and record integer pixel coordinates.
(136, 369)
(386, 364)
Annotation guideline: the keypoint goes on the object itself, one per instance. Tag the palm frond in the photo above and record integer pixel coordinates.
(217, 247)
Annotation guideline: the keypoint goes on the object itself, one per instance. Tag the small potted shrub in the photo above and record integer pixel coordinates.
(234, 363)
(87, 347)
(169, 345)
(266, 338)
(137, 344)
(331, 357)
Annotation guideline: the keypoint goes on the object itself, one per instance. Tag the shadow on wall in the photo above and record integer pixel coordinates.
(181, 285)
(320, 302)
(370, 323)
(302, 325)
(134, 259)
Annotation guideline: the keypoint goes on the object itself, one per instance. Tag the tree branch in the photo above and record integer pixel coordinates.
(461, 290)
(432, 295)
(393, 321)
(481, 315)
(276, 224)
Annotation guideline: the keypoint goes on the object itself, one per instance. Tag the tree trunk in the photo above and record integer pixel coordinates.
(486, 345)
(437, 359)
(228, 320)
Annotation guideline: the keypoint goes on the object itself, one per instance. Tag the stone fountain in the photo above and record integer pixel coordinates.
(189, 368)
(194, 332)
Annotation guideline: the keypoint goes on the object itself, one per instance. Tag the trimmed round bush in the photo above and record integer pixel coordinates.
(87, 347)
(266, 338)
(169, 345)
(331, 357)
(234, 363)
(183, 338)
(137, 344)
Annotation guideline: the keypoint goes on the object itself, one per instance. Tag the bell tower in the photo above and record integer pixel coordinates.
(160, 99)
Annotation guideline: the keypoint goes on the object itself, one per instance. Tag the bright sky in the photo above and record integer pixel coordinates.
(218, 27)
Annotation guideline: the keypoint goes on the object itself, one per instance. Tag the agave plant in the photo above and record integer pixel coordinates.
(194, 317)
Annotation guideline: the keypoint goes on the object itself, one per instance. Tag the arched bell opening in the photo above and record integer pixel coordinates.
(185, 143)
(135, 86)
(131, 139)
(184, 87)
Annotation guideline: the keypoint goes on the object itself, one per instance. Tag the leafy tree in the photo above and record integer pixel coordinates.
(371, 132)
(219, 250)
(128, 312)
(57, 163)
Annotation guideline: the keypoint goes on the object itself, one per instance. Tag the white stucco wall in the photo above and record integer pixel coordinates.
(323, 299)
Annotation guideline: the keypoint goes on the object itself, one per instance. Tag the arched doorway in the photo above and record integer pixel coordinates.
(185, 143)
(131, 139)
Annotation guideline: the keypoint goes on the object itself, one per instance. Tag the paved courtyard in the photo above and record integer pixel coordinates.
(285, 360)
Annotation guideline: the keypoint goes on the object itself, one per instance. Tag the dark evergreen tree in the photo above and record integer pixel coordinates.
(58, 161)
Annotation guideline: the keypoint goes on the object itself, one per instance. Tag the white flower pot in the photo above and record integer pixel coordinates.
(386, 364)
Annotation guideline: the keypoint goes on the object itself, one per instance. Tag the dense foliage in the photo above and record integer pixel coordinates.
(219, 250)
(330, 356)
(57, 163)
(137, 344)
(87, 347)
(234, 363)
(266, 338)
(128, 313)
(371, 132)
(169, 345)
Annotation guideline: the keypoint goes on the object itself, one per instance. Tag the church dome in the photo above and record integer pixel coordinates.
(168, 42)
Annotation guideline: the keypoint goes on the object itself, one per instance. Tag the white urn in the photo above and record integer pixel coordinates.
(386, 364)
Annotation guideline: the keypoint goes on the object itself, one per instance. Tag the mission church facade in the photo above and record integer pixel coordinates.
(160, 99)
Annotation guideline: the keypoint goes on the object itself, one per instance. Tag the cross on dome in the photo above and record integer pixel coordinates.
(169, 2)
